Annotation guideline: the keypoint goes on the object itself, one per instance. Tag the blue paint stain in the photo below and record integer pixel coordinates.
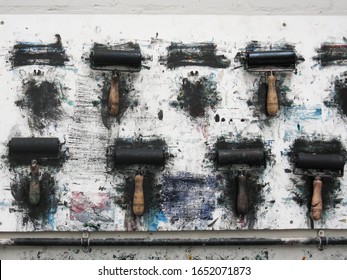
(189, 196)
(52, 210)
(302, 113)
(154, 217)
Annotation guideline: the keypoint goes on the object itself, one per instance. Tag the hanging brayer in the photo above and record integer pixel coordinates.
(270, 62)
(318, 166)
(102, 58)
(33, 151)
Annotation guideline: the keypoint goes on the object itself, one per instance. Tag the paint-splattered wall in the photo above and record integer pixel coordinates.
(191, 98)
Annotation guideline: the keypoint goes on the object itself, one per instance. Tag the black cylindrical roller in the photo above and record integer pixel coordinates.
(139, 156)
(278, 59)
(101, 57)
(319, 161)
(241, 156)
(35, 148)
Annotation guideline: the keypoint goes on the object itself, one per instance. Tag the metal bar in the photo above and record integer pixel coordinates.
(169, 241)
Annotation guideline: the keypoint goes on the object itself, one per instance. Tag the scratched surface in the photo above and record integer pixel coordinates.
(191, 95)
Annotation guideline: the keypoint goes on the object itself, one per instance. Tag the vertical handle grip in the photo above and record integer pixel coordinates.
(138, 201)
(317, 203)
(113, 100)
(272, 100)
(242, 199)
(34, 188)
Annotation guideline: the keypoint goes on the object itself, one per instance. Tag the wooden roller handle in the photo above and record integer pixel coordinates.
(317, 203)
(242, 200)
(113, 100)
(34, 188)
(272, 100)
(138, 202)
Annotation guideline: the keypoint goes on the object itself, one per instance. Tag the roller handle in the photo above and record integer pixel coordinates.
(113, 100)
(34, 188)
(242, 199)
(138, 201)
(317, 203)
(272, 100)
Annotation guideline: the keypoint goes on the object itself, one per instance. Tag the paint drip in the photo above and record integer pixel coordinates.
(27, 53)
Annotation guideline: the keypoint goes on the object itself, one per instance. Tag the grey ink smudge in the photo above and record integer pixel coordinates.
(331, 54)
(339, 96)
(196, 96)
(198, 54)
(27, 53)
(331, 191)
(187, 197)
(47, 204)
(43, 101)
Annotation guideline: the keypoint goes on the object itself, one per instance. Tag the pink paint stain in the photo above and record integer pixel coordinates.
(94, 202)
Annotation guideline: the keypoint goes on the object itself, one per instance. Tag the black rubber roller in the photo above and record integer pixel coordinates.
(107, 58)
(319, 161)
(34, 148)
(284, 59)
(241, 156)
(139, 156)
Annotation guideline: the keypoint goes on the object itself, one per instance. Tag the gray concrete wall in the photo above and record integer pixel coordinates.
(219, 7)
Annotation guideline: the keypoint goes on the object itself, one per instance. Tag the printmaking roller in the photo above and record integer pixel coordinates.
(34, 151)
(115, 61)
(242, 160)
(270, 62)
(318, 166)
(139, 156)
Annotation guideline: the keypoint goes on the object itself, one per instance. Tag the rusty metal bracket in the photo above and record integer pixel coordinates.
(85, 242)
(322, 240)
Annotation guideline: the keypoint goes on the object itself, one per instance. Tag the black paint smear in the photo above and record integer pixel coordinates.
(199, 54)
(48, 201)
(195, 97)
(340, 96)
(28, 53)
(126, 100)
(43, 100)
(228, 179)
(331, 54)
(303, 184)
